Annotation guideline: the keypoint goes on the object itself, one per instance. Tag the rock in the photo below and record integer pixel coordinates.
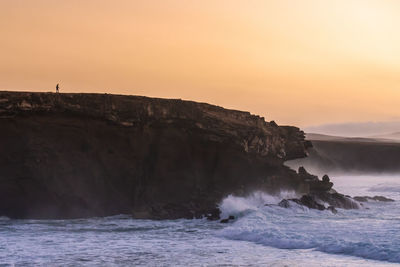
(306, 200)
(162, 166)
(325, 179)
(214, 215)
(336, 200)
(309, 201)
(320, 186)
(383, 199)
(307, 176)
(273, 123)
(284, 203)
(317, 200)
(314, 183)
(375, 198)
(332, 209)
(230, 218)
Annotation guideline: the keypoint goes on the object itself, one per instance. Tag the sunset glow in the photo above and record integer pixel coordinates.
(296, 62)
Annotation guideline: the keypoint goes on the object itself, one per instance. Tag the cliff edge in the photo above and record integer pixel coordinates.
(81, 155)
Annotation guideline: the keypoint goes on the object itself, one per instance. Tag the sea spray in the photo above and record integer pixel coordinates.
(370, 233)
(312, 238)
(240, 206)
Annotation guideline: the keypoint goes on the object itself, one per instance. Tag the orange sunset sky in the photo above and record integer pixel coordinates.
(297, 62)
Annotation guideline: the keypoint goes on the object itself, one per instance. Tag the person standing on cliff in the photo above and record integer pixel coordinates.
(57, 88)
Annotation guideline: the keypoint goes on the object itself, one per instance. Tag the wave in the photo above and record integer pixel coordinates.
(240, 206)
(386, 187)
(354, 233)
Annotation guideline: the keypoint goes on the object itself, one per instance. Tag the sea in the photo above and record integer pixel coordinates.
(260, 235)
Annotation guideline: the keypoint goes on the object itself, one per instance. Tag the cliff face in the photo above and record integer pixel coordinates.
(350, 156)
(79, 155)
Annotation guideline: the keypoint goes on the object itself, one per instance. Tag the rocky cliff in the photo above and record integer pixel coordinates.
(351, 155)
(80, 155)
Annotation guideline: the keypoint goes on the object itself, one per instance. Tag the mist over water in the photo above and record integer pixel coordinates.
(260, 235)
(369, 233)
(357, 129)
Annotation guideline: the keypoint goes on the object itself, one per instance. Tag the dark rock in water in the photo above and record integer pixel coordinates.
(306, 200)
(332, 209)
(214, 214)
(317, 200)
(375, 198)
(383, 199)
(362, 198)
(310, 202)
(336, 200)
(307, 176)
(284, 203)
(321, 186)
(230, 218)
(315, 185)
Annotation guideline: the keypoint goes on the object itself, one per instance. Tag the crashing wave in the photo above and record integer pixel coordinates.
(352, 232)
(240, 206)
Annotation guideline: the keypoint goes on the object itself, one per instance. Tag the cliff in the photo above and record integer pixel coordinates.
(337, 155)
(80, 155)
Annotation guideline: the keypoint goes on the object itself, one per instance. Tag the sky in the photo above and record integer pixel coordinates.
(303, 63)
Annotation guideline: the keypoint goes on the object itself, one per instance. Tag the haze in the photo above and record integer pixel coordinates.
(297, 62)
(388, 129)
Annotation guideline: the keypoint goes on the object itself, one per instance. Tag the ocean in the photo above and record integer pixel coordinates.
(260, 236)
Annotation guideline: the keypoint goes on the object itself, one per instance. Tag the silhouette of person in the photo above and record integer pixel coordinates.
(57, 88)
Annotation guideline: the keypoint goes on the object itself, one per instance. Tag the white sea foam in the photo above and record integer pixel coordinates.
(368, 233)
(345, 233)
(239, 206)
(260, 236)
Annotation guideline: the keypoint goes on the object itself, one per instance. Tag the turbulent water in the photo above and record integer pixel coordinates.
(261, 235)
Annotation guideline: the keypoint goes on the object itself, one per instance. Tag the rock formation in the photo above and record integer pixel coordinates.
(375, 198)
(321, 196)
(81, 155)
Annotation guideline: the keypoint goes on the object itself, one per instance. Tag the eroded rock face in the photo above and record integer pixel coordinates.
(314, 183)
(80, 155)
(251, 132)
